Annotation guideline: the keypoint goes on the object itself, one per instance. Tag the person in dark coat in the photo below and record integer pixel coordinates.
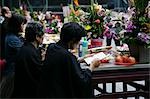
(13, 43)
(29, 63)
(62, 76)
(6, 15)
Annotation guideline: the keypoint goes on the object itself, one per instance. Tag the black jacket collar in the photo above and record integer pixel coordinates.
(62, 44)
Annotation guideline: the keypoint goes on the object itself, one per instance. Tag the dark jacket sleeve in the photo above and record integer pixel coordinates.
(81, 79)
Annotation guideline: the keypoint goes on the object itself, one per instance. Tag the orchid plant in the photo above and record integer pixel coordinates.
(138, 27)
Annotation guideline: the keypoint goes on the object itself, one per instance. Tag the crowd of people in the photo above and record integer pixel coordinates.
(53, 72)
(58, 74)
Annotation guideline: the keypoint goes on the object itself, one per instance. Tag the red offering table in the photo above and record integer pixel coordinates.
(111, 73)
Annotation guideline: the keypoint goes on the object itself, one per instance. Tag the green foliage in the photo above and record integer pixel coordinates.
(18, 11)
(141, 5)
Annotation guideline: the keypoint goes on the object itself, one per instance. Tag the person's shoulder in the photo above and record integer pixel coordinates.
(11, 36)
(28, 50)
(53, 47)
(67, 54)
(13, 41)
(29, 47)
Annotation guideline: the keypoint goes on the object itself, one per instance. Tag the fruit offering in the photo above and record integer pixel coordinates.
(125, 59)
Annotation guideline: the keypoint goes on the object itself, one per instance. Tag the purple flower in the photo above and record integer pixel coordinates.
(144, 37)
(48, 30)
(130, 26)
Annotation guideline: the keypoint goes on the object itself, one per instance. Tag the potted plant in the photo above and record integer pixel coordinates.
(94, 23)
(91, 20)
(138, 31)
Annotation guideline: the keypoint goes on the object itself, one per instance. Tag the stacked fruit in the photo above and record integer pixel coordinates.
(125, 59)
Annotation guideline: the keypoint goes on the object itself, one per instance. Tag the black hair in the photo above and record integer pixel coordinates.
(14, 23)
(32, 30)
(72, 31)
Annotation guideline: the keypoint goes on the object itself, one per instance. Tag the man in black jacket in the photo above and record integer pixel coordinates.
(62, 76)
(28, 65)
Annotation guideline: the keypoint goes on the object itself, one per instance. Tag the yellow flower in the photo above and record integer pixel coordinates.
(87, 27)
(97, 7)
(76, 2)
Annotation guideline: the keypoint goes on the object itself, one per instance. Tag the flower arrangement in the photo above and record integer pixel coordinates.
(138, 27)
(55, 25)
(95, 20)
(91, 20)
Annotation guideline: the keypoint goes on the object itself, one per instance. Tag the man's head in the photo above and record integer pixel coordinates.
(6, 12)
(34, 32)
(71, 34)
